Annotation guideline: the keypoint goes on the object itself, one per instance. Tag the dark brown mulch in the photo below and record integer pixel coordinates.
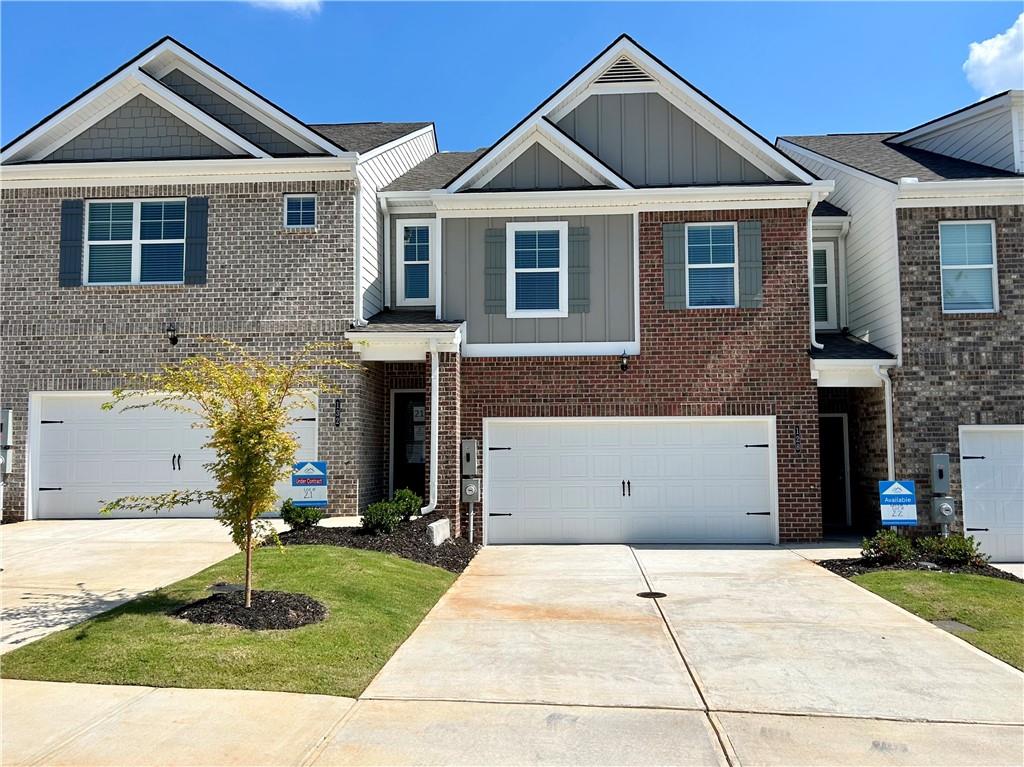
(270, 610)
(851, 567)
(410, 541)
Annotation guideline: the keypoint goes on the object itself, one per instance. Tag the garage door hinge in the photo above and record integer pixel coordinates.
(972, 458)
(759, 513)
(499, 515)
(764, 445)
(51, 422)
(308, 419)
(977, 529)
(50, 488)
(499, 448)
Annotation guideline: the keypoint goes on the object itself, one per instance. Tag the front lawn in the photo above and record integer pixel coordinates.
(375, 601)
(994, 607)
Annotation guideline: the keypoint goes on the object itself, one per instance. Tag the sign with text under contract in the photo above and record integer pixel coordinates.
(309, 483)
(898, 501)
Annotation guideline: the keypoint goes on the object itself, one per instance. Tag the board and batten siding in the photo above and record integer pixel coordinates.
(987, 140)
(536, 169)
(610, 317)
(651, 143)
(872, 263)
(375, 174)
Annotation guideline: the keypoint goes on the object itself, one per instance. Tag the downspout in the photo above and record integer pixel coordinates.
(889, 441)
(815, 197)
(434, 399)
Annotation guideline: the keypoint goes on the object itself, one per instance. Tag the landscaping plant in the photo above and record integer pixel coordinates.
(953, 550)
(249, 405)
(382, 517)
(887, 547)
(300, 517)
(408, 503)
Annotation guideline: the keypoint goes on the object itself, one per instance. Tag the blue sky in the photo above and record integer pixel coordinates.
(476, 69)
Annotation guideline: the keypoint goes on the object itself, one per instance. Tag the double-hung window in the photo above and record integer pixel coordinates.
(415, 247)
(967, 256)
(300, 211)
(135, 241)
(711, 266)
(536, 265)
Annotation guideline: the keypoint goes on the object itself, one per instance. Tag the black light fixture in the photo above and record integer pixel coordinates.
(624, 361)
(172, 333)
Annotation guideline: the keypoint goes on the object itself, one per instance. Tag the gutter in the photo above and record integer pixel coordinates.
(883, 375)
(434, 399)
(815, 198)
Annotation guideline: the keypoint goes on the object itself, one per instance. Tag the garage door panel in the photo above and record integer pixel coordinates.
(993, 489)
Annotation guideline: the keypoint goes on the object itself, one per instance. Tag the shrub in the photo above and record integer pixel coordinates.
(954, 550)
(408, 503)
(381, 517)
(887, 547)
(300, 517)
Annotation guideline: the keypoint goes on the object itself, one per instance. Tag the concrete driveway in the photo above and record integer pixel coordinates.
(59, 572)
(753, 656)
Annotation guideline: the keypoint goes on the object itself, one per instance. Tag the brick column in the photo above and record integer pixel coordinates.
(448, 433)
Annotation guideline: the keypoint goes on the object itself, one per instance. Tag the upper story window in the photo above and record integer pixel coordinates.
(711, 266)
(300, 211)
(415, 286)
(967, 256)
(825, 303)
(537, 257)
(135, 241)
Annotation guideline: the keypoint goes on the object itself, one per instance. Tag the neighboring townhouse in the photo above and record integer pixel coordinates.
(167, 202)
(930, 244)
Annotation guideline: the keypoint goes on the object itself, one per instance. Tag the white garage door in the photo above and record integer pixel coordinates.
(630, 481)
(992, 475)
(87, 455)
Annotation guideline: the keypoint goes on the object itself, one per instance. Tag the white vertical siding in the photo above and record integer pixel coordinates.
(987, 140)
(872, 262)
(375, 174)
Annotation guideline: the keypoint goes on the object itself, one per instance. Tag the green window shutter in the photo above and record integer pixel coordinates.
(579, 270)
(494, 271)
(72, 226)
(751, 292)
(673, 240)
(195, 240)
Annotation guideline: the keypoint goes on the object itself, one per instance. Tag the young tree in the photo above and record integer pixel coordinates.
(247, 404)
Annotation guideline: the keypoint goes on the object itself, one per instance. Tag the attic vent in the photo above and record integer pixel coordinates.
(625, 71)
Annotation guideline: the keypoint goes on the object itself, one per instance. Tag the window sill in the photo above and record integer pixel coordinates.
(977, 314)
(538, 315)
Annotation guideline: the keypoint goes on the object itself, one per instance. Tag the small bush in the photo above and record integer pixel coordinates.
(408, 503)
(887, 547)
(381, 517)
(954, 550)
(300, 517)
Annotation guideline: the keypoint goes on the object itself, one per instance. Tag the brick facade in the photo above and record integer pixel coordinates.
(268, 288)
(957, 369)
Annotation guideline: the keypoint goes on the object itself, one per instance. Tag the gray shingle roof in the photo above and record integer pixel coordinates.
(870, 153)
(407, 322)
(434, 172)
(839, 346)
(362, 137)
(825, 208)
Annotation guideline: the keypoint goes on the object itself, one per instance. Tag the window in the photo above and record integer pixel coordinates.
(967, 256)
(711, 264)
(135, 241)
(825, 314)
(300, 211)
(536, 256)
(414, 258)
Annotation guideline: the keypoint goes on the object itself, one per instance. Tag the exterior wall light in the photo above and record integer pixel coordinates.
(624, 361)
(172, 333)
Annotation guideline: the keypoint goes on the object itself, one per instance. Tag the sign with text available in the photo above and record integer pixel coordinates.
(309, 483)
(899, 502)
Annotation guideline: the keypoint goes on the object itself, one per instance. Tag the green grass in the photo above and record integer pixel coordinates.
(992, 606)
(375, 602)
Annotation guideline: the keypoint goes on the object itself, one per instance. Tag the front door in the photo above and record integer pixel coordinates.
(835, 511)
(408, 424)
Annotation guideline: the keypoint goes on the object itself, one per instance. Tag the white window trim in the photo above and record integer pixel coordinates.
(831, 293)
(735, 264)
(562, 227)
(402, 225)
(136, 242)
(993, 266)
(316, 211)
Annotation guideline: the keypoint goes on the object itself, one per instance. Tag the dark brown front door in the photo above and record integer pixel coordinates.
(409, 424)
(833, 473)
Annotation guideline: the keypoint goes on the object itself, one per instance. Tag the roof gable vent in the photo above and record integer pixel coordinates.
(624, 70)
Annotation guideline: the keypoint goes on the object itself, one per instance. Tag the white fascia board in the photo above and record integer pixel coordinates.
(987, 191)
(812, 155)
(403, 346)
(848, 373)
(155, 172)
(962, 117)
(250, 96)
(377, 151)
(567, 349)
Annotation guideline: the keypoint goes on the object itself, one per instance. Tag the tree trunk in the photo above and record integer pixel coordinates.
(248, 564)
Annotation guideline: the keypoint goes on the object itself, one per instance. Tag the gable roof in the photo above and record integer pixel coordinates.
(434, 172)
(826, 209)
(873, 154)
(364, 136)
(962, 113)
(776, 164)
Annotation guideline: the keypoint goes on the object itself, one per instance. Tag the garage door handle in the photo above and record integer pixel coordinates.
(759, 513)
(500, 515)
(969, 529)
(629, 489)
(623, 488)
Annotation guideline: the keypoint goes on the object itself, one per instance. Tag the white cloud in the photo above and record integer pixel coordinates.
(298, 7)
(997, 64)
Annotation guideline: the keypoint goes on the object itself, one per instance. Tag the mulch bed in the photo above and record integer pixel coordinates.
(851, 567)
(410, 541)
(270, 610)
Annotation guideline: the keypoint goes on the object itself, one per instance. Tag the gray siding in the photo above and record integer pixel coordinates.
(988, 141)
(537, 169)
(611, 285)
(138, 130)
(651, 143)
(238, 120)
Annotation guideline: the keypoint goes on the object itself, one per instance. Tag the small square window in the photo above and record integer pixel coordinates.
(300, 211)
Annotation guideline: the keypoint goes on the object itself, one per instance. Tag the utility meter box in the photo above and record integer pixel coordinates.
(471, 491)
(940, 473)
(943, 510)
(469, 457)
(6, 449)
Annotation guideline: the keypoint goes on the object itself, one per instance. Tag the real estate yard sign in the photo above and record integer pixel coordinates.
(898, 501)
(309, 483)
